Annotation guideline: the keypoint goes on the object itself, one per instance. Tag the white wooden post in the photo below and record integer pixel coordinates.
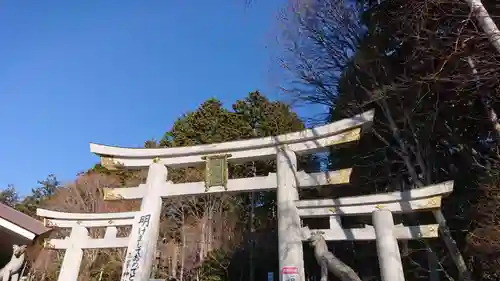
(70, 267)
(144, 236)
(289, 230)
(391, 268)
(381, 207)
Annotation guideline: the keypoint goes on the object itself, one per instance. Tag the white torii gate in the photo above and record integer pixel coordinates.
(381, 206)
(142, 241)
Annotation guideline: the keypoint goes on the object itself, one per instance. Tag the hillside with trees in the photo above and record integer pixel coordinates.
(430, 70)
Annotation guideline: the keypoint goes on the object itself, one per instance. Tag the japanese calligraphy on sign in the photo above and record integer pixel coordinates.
(132, 263)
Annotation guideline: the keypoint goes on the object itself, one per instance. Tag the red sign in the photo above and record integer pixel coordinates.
(289, 270)
(289, 273)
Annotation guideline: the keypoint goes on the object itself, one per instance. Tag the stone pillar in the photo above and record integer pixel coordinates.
(389, 258)
(73, 255)
(291, 258)
(145, 231)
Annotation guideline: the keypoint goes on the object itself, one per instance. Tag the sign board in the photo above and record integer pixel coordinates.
(289, 273)
(270, 276)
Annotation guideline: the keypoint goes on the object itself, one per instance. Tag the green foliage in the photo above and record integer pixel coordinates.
(263, 118)
(9, 196)
(210, 123)
(215, 267)
(28, 205)
(126, 177)
(48, 187)
(254, 116)
(251, 117)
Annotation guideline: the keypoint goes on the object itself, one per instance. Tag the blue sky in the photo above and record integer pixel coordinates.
(118, 73)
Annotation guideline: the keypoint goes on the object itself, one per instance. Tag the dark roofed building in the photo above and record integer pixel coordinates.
(17, 228)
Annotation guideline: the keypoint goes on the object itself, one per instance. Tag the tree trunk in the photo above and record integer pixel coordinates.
(450, 243)
(491, 29)
(486, 101)
(210, 225)
(202, 241)
(252, 234)
(183, 254)
(432, 263)
(486, 22)
(463, 271)
(173, 265)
